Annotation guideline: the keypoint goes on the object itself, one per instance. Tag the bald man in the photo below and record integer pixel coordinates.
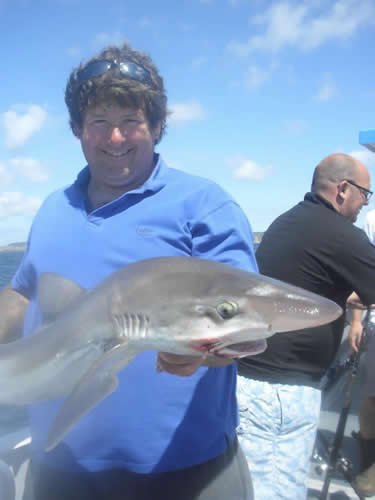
(314, 245)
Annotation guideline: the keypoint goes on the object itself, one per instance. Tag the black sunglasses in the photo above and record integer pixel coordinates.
(128, 69)
(366, 192)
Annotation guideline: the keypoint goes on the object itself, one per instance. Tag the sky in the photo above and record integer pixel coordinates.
(259, 92)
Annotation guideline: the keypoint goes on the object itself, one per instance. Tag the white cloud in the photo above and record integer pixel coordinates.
(5, 177)
(102, 40)
(29, 168)
(256, 76)
(236, 3)
(295, 127)
(366, 157)
(288, 23)
(14, 203)
(327, 90)
(248, 169)
(145, 22)
(20, 127)
(186, 111)
(197, 62)
(186, 28)
(74, 52)
(176, 163)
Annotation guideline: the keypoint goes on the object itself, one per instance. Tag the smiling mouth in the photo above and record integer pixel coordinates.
(117, 154)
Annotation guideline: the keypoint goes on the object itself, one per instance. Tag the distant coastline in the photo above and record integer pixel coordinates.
(257, 237)
(14, 247)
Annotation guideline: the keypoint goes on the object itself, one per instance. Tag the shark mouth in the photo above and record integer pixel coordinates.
(242, 349)
(239, 350)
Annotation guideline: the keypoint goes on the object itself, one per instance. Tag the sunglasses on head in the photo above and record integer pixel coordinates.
(128, 69)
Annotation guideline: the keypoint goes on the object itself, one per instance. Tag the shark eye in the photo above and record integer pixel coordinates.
(227, 309)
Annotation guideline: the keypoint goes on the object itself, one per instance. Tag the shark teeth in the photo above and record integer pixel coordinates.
(115, 155)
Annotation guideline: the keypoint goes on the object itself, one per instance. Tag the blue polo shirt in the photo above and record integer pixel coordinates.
(153, 422)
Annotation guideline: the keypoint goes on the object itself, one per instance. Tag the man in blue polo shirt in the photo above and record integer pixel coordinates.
(158, 436)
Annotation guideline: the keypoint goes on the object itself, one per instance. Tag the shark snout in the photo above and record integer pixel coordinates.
(308, 315)
(297, 311)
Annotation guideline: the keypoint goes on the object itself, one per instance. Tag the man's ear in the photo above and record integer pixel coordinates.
(341, 190)
(156, 131)
(77, 131)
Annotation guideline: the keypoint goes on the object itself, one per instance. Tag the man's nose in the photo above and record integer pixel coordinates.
(117, 135)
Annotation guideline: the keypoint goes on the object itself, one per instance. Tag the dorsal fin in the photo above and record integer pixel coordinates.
(56, 294)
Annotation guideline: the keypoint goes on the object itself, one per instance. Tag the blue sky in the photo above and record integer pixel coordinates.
(260, 91)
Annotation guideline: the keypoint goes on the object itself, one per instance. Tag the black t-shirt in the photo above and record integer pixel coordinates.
(316, 248)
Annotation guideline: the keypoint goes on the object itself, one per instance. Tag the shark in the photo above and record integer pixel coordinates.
(181, 305)
(7, 482)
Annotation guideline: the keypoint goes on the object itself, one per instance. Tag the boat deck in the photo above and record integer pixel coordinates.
(333, 402)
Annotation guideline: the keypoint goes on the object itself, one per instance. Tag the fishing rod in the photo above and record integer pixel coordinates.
(335, 460)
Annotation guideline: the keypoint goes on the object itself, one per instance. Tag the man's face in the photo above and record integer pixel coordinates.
(118, 145)
(355, 196)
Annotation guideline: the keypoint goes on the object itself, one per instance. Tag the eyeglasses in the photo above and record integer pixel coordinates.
(128, 69)
(366, 192)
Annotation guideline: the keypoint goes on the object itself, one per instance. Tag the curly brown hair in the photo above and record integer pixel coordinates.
(113, 87)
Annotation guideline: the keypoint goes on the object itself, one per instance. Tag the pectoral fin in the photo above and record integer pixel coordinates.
(7, 482)
(98, 383)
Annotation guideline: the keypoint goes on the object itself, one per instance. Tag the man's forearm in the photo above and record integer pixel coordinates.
(354, 302)
(13, 307)
(357, 315)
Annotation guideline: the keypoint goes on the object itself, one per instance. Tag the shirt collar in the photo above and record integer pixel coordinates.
(154, 183)
(319, 200)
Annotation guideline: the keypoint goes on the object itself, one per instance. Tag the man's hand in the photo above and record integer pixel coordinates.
(184, 366)
(13, 307)
(355, 335)
(177, 364)
(355, 302)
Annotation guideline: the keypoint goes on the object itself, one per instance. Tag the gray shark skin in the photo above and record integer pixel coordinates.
(7, 483)
(181, 305)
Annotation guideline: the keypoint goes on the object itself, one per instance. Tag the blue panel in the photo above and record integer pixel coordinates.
(367, 139)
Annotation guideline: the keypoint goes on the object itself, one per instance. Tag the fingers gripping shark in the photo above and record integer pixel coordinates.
(181, 305)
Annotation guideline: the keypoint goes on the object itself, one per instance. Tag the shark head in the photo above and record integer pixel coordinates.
(210, 306)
